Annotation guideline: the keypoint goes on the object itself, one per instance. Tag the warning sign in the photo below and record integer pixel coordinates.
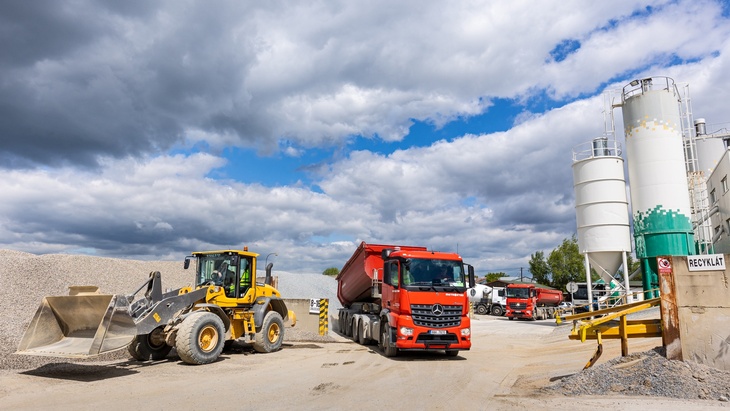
(665, 266)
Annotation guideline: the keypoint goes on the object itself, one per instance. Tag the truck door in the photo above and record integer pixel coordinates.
(391, 282)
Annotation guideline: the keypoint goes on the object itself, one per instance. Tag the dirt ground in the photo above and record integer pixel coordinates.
(508, 364)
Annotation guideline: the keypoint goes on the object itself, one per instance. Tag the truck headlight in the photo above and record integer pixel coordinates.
(406, 331)
(465, 332)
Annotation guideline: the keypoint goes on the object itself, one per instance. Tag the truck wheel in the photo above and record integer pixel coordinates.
(354, 333)
(452, 353)
(481, 309)
(497, 310)
(149, 347)
(388, 351)
(200, 338)
(511, 318)
(271, 336)
(361, 334)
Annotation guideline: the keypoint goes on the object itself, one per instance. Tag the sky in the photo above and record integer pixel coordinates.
(152, 129)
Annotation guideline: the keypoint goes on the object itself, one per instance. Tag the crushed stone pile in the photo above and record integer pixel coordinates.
(648, 373)
(26, 278)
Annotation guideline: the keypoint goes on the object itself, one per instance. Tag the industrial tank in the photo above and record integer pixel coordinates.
(657, 172)
(601, 205)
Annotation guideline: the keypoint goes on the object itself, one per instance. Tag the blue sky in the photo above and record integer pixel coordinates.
(149, 130)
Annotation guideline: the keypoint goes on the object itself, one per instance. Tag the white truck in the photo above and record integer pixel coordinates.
(488, 300)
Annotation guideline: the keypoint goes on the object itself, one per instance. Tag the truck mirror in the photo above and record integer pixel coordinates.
(471, 275)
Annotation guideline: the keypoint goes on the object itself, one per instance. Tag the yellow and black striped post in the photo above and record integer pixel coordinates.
(323, 316)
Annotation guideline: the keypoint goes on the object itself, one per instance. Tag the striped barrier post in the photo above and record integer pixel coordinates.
(323, 316)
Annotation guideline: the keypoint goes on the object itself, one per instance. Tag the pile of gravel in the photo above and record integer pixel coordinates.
(26, 278)
(648, 373)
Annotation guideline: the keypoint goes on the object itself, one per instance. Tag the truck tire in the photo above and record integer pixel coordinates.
(388, 351)
(271, 336)
(149, 347)
(200, 338)
(361, 334)
(482, 309)
(452, 353)
(355, 330)
(497, 310)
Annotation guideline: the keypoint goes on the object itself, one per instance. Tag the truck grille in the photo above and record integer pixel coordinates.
(517, 306)
(436, 315)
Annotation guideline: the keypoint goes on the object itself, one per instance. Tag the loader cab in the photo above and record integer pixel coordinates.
(231, 271)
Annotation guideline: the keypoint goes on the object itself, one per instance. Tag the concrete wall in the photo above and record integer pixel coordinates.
(703, 305)
(305, 320)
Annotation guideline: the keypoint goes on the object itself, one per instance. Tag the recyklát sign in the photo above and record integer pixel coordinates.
(711, 262)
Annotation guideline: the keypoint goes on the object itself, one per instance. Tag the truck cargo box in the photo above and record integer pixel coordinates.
(548, 297)
(354, 283)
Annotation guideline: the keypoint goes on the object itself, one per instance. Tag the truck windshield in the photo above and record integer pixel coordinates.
(424, 272)
(518, 292)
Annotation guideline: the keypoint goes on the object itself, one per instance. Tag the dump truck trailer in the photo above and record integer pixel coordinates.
(405, 298)
(225, 303)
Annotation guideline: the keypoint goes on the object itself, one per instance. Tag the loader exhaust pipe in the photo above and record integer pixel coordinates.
(267, 279)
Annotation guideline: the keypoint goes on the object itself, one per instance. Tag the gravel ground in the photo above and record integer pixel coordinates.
(26, 278)
(648, 373)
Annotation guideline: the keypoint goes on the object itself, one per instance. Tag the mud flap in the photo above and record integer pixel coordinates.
(79, 326)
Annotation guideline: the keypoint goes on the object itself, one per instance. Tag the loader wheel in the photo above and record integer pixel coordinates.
(388, 351)
(149, 347)
(200, 338)
(271, 336)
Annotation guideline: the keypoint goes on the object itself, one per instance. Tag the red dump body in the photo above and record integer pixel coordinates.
(548, 297)
(355, 281)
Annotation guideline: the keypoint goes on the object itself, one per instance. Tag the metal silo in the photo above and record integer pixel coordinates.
(601, 207)
(657, 173)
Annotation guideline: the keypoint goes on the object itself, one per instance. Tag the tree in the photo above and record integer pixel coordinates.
(566, 264)
(332, 271)
(539, 268)
(494, 276)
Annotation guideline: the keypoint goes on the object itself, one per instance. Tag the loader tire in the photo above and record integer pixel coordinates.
(271, 336)
(200, 338)
(149, 347)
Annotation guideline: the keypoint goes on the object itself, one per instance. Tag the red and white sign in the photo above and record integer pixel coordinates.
(665, 266)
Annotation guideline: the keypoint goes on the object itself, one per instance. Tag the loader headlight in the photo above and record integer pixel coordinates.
(466, 332)
(406, 331)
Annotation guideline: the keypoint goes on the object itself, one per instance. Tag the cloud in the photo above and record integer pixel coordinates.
(114, 120)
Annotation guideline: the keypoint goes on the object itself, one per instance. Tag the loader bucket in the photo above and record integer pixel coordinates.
(78, 326)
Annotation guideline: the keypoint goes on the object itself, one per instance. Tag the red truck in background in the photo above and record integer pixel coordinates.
(405, 298)
(532, 301)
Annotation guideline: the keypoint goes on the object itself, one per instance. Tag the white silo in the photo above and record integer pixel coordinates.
(601, 207)
(709, 148)
(657, 174)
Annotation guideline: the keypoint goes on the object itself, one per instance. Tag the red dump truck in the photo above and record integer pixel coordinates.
(531, 301)
(405, 298)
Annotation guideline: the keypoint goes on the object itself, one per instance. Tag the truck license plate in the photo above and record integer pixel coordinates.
(437, 332)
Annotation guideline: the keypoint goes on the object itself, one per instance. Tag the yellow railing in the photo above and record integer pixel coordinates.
(601, 324)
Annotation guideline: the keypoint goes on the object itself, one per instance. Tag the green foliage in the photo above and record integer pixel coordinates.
(566, 264)
(494, 276)
(539, 268)
(332, 271)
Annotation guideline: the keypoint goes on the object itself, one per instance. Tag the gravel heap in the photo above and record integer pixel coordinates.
(26, 278)
(648, 373)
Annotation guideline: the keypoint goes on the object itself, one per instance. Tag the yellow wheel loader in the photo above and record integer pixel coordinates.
(225, 304)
